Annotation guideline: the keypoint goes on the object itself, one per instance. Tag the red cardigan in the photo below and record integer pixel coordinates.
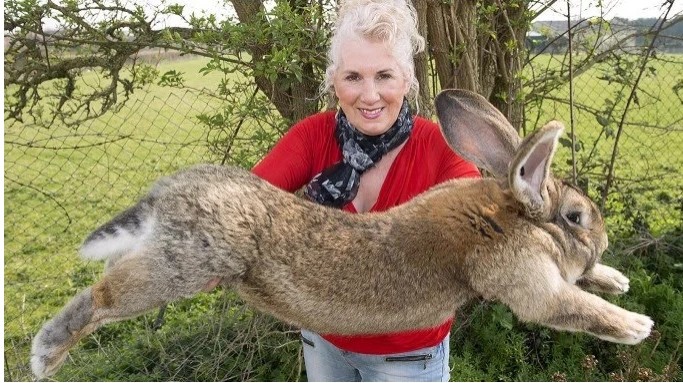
(425, 160)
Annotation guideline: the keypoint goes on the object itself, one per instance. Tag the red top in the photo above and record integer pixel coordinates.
(425, 160)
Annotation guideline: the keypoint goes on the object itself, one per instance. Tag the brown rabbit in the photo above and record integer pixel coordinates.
(525, 241)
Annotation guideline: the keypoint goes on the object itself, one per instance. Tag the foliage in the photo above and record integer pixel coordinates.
(280, 50)
(277, 46)
(92, 118)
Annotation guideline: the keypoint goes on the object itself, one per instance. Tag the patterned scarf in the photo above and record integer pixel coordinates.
(338, 184)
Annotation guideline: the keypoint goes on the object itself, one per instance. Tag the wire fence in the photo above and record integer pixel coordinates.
(61, 182)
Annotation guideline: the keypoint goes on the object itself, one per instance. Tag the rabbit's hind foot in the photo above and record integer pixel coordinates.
(51, 344)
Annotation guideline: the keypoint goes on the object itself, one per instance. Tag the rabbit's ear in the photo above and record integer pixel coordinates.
(530, 168)
(476, 130)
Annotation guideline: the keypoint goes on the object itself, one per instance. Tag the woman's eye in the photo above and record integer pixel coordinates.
(384, 76)
(574, 217)
(352, 77)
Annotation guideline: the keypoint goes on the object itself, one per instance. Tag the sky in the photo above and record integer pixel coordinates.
(630, 9)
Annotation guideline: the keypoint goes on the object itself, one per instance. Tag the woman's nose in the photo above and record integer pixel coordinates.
(370, 92)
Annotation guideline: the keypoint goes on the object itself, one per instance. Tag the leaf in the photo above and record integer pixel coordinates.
(503, 317)
(175, 9)
(602, 120)
(171, 78)
(566, 142)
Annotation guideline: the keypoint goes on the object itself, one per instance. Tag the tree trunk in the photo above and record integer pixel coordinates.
(466, 45)
(479, 51)
(290, 96)
(440, 46)
(511, 27)
(425, 98)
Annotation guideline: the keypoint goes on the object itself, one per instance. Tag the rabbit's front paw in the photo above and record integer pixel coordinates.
(605, 279)
(634, 328)
(619, 282)
(640, 327)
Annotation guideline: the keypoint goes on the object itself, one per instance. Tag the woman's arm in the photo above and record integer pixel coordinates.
(289, 164)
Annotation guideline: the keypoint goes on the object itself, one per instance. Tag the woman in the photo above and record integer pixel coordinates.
(369, 155)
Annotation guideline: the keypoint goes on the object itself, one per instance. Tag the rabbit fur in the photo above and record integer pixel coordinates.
(522, 238)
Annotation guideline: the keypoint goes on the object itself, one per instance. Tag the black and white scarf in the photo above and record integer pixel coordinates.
(338, 184)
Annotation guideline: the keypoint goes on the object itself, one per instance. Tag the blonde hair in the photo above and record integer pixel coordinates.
(391, 21)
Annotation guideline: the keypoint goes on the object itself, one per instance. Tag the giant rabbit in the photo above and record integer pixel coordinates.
(522, 238)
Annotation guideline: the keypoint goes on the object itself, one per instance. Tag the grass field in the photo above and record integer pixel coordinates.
(54, 197)
(649, 161)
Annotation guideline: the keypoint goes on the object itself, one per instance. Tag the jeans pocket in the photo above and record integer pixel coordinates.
(307, 341)
(409, 358)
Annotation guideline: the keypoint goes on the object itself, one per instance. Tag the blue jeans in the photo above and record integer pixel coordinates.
(325, 362)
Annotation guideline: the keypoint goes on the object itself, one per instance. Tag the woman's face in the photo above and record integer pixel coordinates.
(370, 85)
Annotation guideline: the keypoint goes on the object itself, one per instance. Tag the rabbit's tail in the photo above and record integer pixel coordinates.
(122, 234)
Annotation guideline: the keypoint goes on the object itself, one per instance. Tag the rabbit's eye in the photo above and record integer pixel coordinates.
(574, 217)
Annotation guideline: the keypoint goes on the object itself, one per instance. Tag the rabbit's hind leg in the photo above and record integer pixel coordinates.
(54, 339)
(133, 286)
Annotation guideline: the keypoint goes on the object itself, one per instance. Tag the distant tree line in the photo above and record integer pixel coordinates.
(553, 36)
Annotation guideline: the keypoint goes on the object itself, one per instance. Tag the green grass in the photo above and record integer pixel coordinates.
(649, 162)
(54, 198)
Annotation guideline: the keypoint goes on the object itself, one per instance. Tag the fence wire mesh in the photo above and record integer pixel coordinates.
(62, 181)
